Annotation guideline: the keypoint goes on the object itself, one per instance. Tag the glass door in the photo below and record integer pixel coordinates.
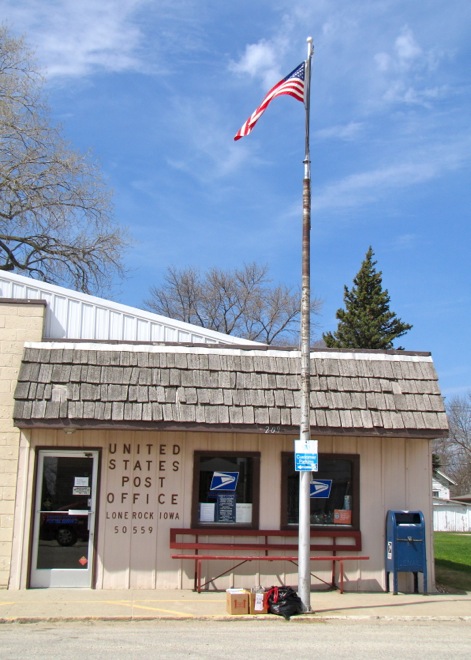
(64, 520)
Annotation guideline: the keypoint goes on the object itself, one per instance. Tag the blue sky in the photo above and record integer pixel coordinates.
(158, 88)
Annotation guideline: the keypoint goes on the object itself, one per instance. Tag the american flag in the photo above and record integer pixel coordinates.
(293, 85)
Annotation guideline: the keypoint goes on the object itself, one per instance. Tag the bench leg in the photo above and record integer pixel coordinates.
(341, 576)
(197, 576)
(198, 573)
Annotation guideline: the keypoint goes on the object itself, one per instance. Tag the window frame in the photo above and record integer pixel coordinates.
(286, 457)
(197, 456)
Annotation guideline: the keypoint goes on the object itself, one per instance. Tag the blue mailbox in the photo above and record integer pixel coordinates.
(405, 546)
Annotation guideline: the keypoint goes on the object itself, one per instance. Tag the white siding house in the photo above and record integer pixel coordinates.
(441, 485)
(451, 516)
(448, 515)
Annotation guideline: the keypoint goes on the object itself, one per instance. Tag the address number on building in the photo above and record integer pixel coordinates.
(126, 529)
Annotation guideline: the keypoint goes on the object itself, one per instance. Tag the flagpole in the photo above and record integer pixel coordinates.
(304, 526)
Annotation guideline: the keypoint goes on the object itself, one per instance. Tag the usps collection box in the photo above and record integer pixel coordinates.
(237, 601)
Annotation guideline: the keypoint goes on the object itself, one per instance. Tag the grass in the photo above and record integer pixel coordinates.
(453, 561)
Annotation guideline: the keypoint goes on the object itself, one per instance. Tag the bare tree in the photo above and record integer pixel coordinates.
(241, 302)
(455, 451)
(55, 211)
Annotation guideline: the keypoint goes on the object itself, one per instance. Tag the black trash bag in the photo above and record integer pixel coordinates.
(283, 601)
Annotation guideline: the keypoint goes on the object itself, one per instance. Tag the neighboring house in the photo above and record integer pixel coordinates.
(114, 423)
(441, 485)
(451, 515)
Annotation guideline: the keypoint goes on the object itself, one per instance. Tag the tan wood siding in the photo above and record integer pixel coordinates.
(394, 475)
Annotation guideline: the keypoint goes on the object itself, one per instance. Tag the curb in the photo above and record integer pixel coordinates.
(222, 618)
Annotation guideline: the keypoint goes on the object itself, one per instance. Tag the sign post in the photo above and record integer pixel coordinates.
(304, 524)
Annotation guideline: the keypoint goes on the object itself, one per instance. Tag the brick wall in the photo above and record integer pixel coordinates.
(20, 321)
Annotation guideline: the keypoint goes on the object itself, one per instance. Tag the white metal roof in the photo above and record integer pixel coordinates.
(444, 479)
(73, 315)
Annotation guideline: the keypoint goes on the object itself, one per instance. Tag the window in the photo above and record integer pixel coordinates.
(334, 495)
(226, 489)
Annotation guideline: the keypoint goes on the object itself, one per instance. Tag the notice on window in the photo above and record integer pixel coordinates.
(226, 508)
(243, 513)
(207, 511)
(81, 490)
(81, 481)
(81, 486)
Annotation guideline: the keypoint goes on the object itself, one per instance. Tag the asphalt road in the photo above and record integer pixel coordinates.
(260, 640)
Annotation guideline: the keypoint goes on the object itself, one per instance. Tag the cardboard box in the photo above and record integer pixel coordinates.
(237, 601)
(258, 604)
(342, 517)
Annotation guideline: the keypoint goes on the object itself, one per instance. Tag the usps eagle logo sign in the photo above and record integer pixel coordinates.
(224, 481)
(320, 488)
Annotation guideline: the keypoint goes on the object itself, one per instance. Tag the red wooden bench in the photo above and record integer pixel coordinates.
(245, 545)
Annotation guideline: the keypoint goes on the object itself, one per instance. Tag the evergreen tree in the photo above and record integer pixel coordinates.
(366, 321)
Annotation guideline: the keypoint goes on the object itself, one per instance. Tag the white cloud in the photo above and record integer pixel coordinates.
(401, 92)
(260, 57)
(370, 186)
(407, 55)
(262, 61)
(406, 70)
(345, 132)
(76, 38)
(208, 156)
(406, 46)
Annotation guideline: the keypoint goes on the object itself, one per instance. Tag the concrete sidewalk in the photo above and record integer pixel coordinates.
(36, 605)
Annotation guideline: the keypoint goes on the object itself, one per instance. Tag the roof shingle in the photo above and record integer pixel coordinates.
(158, 386)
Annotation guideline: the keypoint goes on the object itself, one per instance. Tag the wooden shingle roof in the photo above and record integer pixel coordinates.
(238, 389)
